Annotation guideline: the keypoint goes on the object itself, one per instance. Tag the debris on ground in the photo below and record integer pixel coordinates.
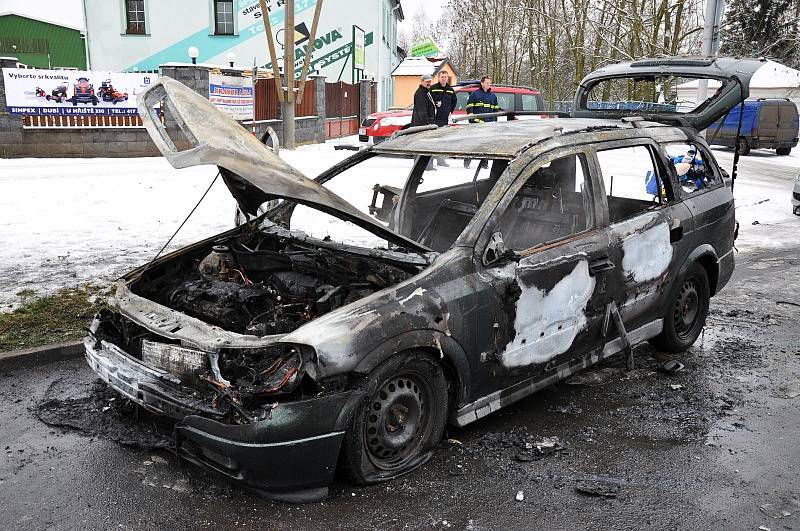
(520, 495)
(569, 409)
(594, 377)
(782, 509)
(604, 486)
(103, 413)
(789, 389)
(671, 367)
(675, 387)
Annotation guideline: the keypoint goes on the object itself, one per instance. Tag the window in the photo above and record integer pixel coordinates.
(554, 203)
(694, 173)
(632, 181)
(134, 17)
(223, 17)
(529, 103)
(445, 196)
(505, 101)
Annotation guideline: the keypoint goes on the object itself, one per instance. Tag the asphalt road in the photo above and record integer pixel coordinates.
(714, 446)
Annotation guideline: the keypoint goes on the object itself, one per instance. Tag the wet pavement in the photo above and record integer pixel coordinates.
(713, 445)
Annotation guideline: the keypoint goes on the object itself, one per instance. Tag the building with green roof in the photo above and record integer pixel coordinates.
(41, 44)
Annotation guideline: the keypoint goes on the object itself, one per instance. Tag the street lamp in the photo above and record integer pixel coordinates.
(231, 58)
(193, 53)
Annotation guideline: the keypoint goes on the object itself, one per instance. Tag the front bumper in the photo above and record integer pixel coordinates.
(289, 456)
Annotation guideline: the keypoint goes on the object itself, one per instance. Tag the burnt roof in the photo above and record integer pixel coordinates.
(495, 140)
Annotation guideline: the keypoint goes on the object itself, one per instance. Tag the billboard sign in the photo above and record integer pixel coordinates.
(233, 95)
(73, 92)
(359, 48)
(424, 48)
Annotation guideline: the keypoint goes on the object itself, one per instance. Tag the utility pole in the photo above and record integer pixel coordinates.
(286, 93)
(288, 72)
(715, 10)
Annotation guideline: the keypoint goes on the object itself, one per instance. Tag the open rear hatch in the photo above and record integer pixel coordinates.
(662, 89)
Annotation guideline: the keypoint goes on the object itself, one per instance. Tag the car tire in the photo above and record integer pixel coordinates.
(686, 313)
(742, 146)
(395, 428)
(796, 210)
(783, 151)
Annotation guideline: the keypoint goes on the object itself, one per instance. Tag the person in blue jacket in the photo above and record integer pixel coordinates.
(695, 174)
(483, 101)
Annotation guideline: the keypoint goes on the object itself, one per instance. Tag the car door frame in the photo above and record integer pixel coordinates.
(641, 303)
(546, 256)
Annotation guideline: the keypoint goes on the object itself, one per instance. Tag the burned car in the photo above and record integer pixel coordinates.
(285, 356)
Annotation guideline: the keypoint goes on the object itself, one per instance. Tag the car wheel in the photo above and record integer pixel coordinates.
(686, 312)
(395, 427)
(742, 147)
(796, 210)
(783, 151)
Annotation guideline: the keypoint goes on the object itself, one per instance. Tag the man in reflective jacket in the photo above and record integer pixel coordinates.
(483, 101)
(444, 97)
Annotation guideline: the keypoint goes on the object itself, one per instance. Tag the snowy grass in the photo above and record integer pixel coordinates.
(60, 316)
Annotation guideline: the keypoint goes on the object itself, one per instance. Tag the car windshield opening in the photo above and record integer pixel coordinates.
(662, 94)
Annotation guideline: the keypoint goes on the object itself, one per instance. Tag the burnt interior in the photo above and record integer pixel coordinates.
(262, 285)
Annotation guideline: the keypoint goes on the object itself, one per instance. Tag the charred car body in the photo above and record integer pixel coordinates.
(283, 357)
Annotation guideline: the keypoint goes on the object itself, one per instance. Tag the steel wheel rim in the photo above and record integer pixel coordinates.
(397, 420)
(687, 310)
(741, 145)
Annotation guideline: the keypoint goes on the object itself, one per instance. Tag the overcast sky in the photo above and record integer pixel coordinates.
(68, 12)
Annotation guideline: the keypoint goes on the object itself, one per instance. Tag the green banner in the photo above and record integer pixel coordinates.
(424, 48)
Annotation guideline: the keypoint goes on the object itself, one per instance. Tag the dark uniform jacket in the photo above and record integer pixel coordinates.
(482, 101)
(445, 99)
(424, 109)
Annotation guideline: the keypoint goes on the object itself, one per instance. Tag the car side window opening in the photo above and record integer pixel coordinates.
(691, 167)
(529, 103)
(441, 200)
(632, 181)
(554, 203)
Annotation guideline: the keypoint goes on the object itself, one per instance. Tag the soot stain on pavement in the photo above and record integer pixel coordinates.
(105, 414)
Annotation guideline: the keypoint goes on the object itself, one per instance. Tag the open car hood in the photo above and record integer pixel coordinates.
(252, 172)
(734, 74)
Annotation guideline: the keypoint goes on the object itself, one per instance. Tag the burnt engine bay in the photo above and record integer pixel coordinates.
(255, 285)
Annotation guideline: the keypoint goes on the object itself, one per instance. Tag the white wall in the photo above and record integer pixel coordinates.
(175, 25)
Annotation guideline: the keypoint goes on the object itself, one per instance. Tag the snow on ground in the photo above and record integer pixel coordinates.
(763, 192)
(69, 221)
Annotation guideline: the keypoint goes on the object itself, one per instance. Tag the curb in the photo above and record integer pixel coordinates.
(44, 354)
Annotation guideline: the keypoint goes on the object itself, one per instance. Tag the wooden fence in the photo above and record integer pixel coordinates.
(341, 109)
(267, 100)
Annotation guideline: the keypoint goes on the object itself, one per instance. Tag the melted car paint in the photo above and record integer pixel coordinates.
(646, 254)
(415, 293)
(546, 323)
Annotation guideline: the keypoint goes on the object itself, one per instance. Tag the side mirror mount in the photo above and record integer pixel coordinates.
(496, 250)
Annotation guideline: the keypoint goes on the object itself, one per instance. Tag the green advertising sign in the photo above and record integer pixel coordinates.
(359, 49)
(424, 48)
